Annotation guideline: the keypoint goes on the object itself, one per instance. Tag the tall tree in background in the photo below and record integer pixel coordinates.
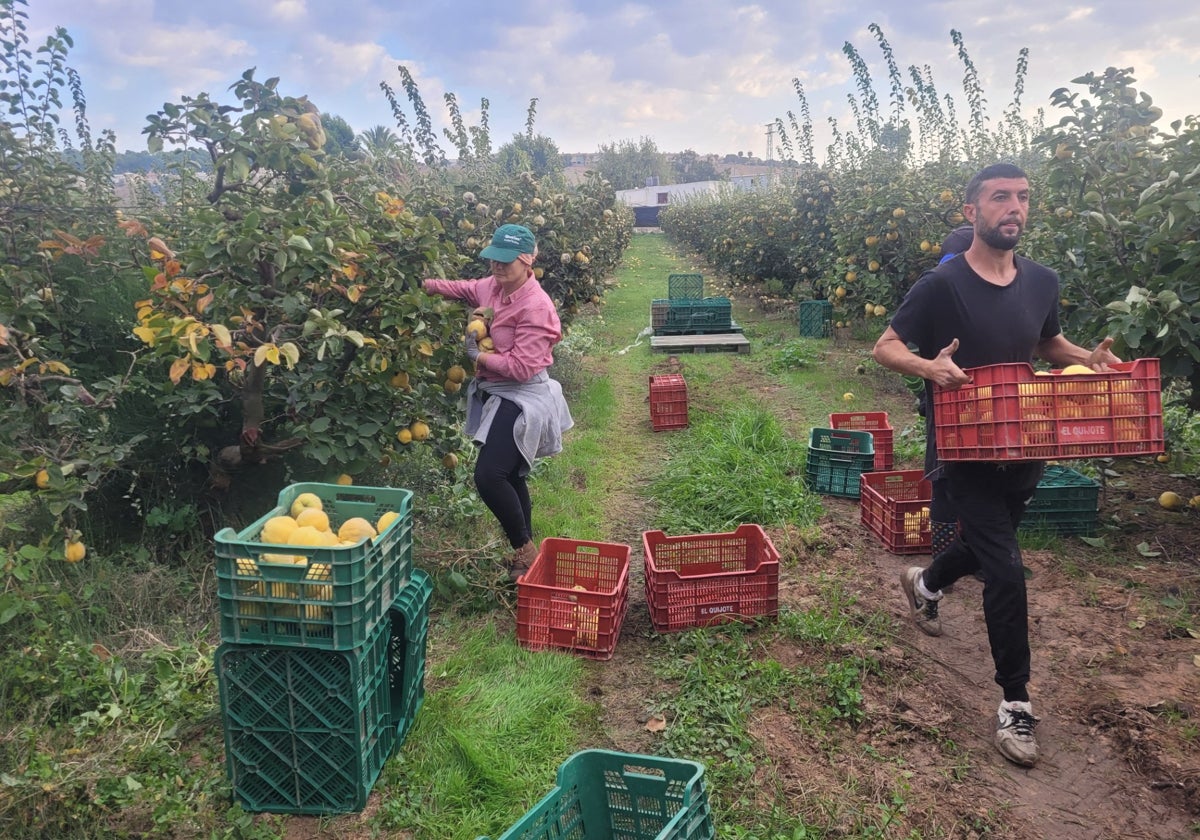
(340, 136)
(530, 153)
(378, 142)
(628, 164)
(688, 166)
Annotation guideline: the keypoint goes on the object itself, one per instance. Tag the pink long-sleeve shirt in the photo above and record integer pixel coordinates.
(525, 326)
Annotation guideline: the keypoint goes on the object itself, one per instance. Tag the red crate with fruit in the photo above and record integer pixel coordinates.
(1009, 412)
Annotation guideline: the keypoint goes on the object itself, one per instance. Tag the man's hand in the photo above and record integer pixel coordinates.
(1102, 357)
(943, 371)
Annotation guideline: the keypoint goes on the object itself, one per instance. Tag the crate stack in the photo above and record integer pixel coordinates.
(836, 459)
(1066, 503)
(321, 666)
(875, 422)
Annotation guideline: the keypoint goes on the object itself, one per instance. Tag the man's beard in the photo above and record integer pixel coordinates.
(1000, 241)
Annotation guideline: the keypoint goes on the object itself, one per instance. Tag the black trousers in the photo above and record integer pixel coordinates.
(499, 479)
(989, 500)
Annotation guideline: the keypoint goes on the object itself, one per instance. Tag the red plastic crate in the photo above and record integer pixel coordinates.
(668, 402)
(875, 422)
(702, 579)
(574, 597)
(895, 507)
(1009, 413)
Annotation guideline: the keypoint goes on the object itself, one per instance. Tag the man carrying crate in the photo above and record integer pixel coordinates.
(985, 306)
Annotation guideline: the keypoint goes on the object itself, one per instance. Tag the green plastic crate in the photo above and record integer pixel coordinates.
(697, 317)
(685, 286)
(406, 652)
(1066, 502)
(334, 600)
(837, 458)
(307, 731)
(603, 795)
(815, 318)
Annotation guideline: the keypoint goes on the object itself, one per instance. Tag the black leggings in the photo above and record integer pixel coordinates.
(499, 480)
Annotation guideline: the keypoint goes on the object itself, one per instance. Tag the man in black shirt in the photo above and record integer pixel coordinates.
(985, 306)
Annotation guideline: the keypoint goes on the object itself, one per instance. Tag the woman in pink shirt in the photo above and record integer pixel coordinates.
(515, 411)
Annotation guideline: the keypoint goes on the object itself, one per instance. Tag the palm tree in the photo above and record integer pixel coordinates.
(379, 142)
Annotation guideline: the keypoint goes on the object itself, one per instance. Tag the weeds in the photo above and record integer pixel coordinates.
(708, 491)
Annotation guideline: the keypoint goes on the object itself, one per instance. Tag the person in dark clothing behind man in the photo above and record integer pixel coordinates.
(986, 306)
(943, 523)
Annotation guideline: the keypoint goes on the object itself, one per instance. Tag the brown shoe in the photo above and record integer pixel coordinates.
(521, 560)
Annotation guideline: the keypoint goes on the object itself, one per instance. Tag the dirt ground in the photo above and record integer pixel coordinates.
(1116, 674)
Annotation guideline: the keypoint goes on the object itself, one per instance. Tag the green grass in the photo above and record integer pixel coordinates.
(488, 739)
(730, 469)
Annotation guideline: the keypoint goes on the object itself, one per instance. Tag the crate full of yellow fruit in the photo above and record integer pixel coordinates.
(1010, 412)
(319, 569)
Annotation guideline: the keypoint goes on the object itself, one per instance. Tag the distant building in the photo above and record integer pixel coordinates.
(647, 201)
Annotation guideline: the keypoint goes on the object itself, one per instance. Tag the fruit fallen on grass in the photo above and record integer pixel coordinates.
(345, 480)
(847, 396)
(1170, 500)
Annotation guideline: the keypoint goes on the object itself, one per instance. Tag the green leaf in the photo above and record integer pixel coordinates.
(319, 425)
(301, 242)
(1145, 550)
(1095, 542)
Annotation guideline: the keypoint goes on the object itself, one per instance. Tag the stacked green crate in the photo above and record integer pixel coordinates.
(321, 670)
(685, 286)
(1066, 502)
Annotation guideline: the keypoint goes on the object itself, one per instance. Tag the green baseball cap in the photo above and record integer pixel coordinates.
(508, 243)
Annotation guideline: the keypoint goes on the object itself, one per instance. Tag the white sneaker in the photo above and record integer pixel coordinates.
(1014, 733)
(924, 610)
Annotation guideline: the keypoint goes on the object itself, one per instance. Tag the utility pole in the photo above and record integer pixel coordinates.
(770, 143)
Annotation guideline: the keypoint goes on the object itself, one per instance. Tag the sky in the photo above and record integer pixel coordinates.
(705, 75)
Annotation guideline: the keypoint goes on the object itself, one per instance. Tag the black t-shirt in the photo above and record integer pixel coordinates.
(993, 324)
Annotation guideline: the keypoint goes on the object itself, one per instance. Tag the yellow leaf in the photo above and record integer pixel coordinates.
(290, 353)
(32, 360)
(201, 371)
(204, 302)
(266, 353)
(354, 293)
(149, 336)
(56, 367)
(224, 339)
(6, 377)
(351, 271)
(3, 335)
(178, 368)
(425, 348)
